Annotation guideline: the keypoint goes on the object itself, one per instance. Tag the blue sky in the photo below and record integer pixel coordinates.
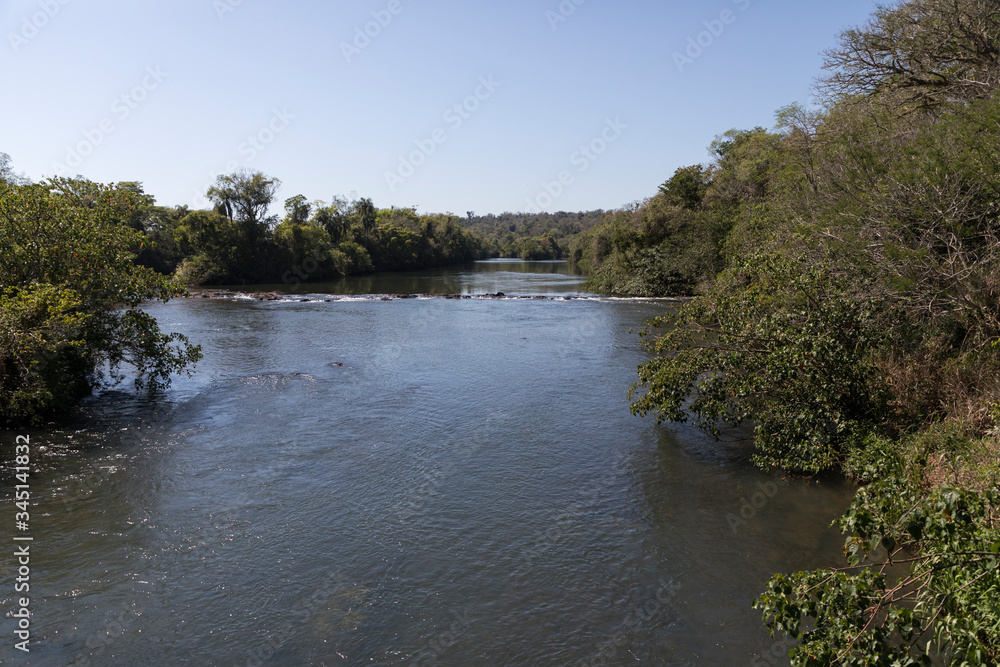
(444, 105)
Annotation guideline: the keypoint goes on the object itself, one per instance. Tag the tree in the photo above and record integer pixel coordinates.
(87, 194)
(70, 297)
(306, 253)
(367, 215)
(687, 187)
(247, 194)
(335, 218)
(7, 173)
(246, 197)
(162, 253)
(297, 209)
(922, 583)
(784, 349)
(921, 53)
(210, 243)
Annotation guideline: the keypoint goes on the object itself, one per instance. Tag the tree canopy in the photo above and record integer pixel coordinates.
(920, 52)
(70, 295)
(845, 269)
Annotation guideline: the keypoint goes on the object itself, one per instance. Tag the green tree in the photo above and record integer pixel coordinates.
(922, 583)
(246, 197)
(784, 350)
(70, 297)
(335, 218)
(210, 243)
(304, 246)
(687, 187)
(162, 254)
(297, 209)
(367, 216)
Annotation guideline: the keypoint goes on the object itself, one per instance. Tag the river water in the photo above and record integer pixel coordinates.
(351, 481)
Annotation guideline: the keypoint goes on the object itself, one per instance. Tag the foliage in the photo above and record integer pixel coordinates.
(535, 236)
(238, 242)
(68, 302)
(244, 197)
(854, 320)
(785, 350)
(334, 218)
(924, 581)
(921, 53)
(162, 253)
(307, 248)
(675, 243)
(209, 242)
(358, 259)
(367, 215)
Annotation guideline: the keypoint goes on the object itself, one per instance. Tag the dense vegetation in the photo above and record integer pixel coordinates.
(69, 295)
(532, 236)
(238, 242)
(846, 273)
(669, 244)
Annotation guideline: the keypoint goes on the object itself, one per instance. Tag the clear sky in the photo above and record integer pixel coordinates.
(444, 105)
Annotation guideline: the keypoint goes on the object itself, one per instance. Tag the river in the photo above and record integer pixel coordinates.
(351, 481)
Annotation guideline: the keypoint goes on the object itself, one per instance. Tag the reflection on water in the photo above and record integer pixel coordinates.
(486, 277)
(467, 488)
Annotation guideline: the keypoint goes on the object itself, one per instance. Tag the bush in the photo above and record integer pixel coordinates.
(358, 259)
(785, 349)
(69, 298)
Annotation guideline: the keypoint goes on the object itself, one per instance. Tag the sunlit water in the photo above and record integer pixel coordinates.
(468, 488)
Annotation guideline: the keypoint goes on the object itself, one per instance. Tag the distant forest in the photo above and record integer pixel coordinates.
(532, 236)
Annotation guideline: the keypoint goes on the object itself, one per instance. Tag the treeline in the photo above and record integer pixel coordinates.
(239, 242)
(672, 243)
(846, 268)
(78, 258)
(531, 236)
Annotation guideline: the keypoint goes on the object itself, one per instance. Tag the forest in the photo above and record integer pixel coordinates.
(532, 236)
(240, 242)
(845, 275)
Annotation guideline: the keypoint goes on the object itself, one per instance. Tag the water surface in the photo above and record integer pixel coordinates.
(422, 481)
